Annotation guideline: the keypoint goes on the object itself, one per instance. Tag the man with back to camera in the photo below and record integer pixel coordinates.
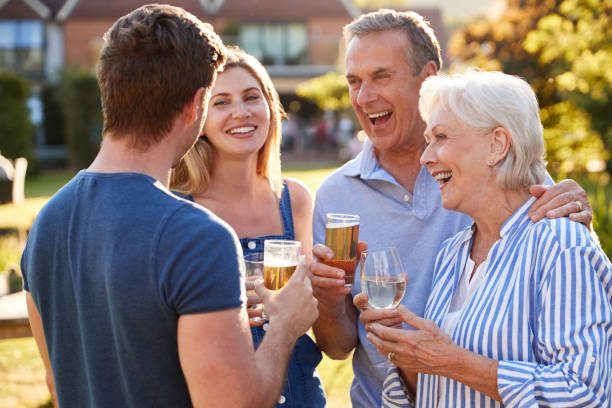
(136, 296)
(389, 54)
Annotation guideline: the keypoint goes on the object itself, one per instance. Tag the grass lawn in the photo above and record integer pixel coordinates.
(22, 375)
(22, 378)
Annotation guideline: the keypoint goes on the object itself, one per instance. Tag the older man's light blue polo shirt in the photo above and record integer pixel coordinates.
(416, 224)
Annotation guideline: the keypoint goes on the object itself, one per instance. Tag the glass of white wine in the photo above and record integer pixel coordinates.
(382, 277)
(280, 261)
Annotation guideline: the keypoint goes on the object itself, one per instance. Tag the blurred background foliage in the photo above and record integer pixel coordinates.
(15, 117)
(563, 48)
(327, 91)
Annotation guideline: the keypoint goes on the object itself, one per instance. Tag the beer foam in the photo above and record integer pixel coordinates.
(280, 264)
(342, 225)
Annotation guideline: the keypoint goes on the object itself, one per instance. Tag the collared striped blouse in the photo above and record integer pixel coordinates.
(543, 310)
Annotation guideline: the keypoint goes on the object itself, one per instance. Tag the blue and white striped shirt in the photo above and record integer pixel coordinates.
(543, 310)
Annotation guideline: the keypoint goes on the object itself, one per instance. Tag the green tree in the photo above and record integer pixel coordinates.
(16, 129)
(329, 91)
(576, 43)
(80, 99)
(562, 48)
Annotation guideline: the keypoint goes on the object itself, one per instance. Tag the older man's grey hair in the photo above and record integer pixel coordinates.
(486, 100)
(424, 45)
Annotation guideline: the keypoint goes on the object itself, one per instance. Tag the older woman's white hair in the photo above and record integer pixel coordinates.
(486, 100)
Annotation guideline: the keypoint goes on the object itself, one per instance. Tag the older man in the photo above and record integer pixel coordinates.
(389, 54)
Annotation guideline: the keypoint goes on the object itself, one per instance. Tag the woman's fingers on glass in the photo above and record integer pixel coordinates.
(360, 301)
(386, 317)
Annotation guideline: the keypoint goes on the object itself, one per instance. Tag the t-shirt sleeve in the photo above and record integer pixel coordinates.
(24, 269)
(199, 262)
(318, 221)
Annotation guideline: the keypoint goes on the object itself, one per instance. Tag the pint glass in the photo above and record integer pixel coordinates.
(280, 261)
(341, 233)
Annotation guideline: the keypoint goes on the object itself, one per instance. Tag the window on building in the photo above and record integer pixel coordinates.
(21, 46)
(276, 43)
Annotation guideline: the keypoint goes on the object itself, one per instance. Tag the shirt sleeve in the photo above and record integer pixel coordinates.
(199, 261)
(573, 339)
(318, 222)
(24, 268)
(395, 394)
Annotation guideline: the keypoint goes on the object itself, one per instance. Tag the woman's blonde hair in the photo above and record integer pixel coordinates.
(192, 175)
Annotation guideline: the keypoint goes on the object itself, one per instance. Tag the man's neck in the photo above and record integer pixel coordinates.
(118, 156)
(404, 165)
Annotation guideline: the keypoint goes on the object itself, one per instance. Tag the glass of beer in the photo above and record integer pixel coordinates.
(341, 233)
(280, 261)
(254, 270)
(382, 277)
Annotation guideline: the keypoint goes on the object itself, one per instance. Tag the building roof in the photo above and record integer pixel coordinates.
(29, 9)
(271, 10)
(113, 9)
(247, 10)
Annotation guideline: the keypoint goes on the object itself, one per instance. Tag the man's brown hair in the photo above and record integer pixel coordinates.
(153, 61)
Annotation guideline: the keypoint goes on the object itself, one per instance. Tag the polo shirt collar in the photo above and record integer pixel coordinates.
(366, 166)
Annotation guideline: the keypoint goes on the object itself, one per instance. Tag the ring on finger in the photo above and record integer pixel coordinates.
(391, 357)
(580, 208)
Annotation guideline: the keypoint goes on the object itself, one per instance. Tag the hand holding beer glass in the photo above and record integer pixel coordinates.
(341, 233)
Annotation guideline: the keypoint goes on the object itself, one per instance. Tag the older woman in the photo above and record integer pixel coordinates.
(520, 313)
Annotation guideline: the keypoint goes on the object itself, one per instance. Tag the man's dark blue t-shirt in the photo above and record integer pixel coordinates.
(111, 262)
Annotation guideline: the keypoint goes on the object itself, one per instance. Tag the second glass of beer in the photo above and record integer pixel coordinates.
(280, 261)
(341, 233)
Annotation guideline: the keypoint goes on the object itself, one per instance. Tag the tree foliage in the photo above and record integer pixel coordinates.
(563, 48)
(329, 91)
(80, 100)
(16, 129)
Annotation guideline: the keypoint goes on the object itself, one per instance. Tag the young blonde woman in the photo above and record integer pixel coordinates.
(234, 171)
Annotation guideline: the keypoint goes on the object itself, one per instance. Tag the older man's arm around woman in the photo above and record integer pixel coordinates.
(520, 313)
(571, 358)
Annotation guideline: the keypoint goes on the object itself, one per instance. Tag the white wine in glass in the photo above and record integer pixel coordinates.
(382, 278)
